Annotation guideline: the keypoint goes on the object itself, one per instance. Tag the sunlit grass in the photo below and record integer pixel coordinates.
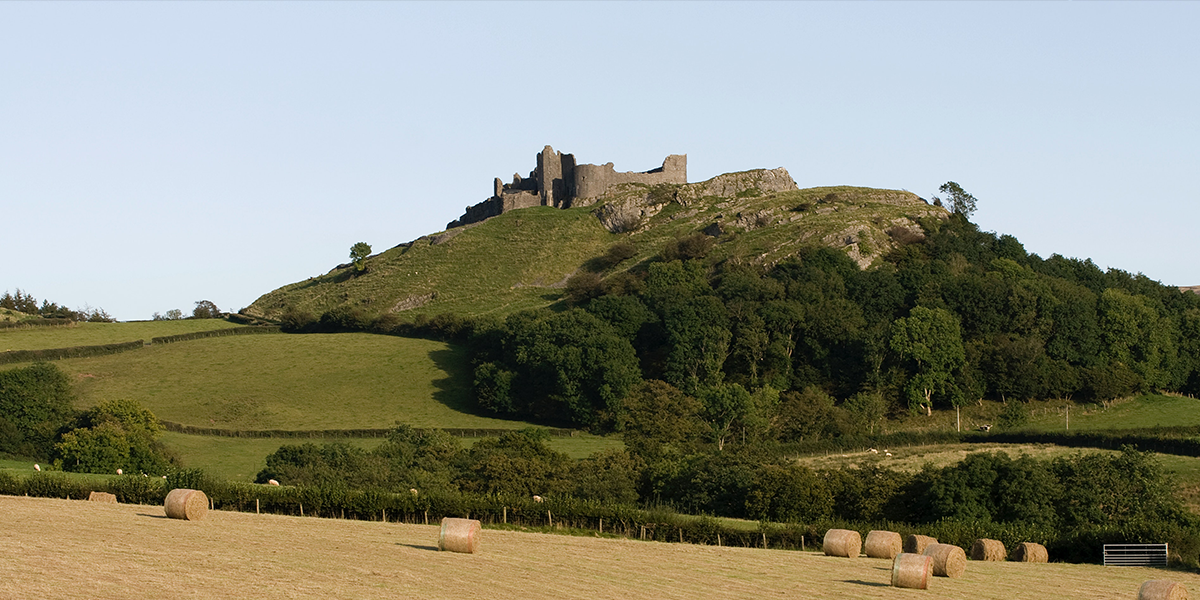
(95, 334)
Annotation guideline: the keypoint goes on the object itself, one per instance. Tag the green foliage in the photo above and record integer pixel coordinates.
(930, 338)
(959, 201)
(206, 309)
(358, 255)
(1014, 415)
(118, 434)
(35, 406)
(570, 367)
(659, 420)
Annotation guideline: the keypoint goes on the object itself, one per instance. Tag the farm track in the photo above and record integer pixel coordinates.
(72, 549)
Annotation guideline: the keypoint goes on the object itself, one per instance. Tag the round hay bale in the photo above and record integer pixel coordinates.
(883, 544)
(1029, 552)
(911, 570)
(1162, 589)
(985, 549)
(104, 497)
(842, 542)
(948, 560)
(189, 505)
(460, 535)
(915, 544)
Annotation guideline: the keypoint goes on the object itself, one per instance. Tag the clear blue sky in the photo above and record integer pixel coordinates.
(156, 154)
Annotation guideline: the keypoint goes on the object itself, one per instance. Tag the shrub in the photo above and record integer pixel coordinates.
(691, 247)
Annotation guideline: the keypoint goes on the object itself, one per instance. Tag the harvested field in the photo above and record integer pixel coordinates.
(67, 549)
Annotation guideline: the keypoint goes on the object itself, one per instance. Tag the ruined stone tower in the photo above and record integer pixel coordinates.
(557, 181)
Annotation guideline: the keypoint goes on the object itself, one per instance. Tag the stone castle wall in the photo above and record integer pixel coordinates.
(557, 181)
(592, 181)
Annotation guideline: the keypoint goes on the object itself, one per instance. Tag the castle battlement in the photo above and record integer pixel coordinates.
(557, 181)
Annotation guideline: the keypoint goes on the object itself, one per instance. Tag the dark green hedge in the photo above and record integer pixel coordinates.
(35, 323)
(341, 433)
(20, 356)
(183, 337)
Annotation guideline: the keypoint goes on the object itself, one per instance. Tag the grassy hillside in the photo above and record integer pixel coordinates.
(520, 259)
(94, 334)
(341, 381)
(134, 552)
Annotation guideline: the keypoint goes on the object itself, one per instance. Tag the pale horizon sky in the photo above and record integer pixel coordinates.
(157, 154)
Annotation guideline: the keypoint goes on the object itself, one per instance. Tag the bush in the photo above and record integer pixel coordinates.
(691, 247)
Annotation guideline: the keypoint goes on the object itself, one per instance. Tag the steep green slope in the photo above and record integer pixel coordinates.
(521, 259)
(343, 381)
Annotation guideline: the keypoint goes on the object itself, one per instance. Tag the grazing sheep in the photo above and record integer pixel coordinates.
(886, 453)
(272, 482)
(37, 467)
(413, 491)
(119, 472)
(873, 451)
(538, 499)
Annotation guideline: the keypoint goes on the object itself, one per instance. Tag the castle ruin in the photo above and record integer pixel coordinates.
(557, 181)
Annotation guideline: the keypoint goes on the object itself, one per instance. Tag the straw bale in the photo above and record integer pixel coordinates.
(985, 549)
(1162, 589)
(948, 560)
(460, 535)
(104, 497)
(915, 544)
(189, 505)
(911, 570)
(842, 542)
(883, 544)
(1029, 552)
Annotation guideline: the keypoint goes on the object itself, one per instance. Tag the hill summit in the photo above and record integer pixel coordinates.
(517, 249)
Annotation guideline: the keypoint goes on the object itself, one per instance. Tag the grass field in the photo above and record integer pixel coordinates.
(75, 550)
(95, 334)
(318, 381)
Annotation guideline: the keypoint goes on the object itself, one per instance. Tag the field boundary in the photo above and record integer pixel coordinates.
(20, 356)
(465, 432)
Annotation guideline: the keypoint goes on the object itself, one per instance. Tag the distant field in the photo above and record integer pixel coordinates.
(910, 459)
(134, 552)
(240, 459)
(316, 381)
(1142, 411)
(95, 334)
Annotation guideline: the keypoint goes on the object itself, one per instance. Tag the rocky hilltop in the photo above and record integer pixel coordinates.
(517, 249)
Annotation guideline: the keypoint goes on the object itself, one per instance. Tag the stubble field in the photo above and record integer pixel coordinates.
(74, 549)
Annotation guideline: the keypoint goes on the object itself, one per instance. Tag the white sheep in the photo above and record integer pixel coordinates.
(413, 491)
(272, 482)
(873, 451)
(37, 467)
(537, 498)
(119, 472)
(886, 453)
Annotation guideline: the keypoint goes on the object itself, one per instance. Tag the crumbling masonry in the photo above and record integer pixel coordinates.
(557, 181)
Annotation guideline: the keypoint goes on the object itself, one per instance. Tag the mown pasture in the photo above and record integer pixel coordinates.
(95, 334)
(74, 549)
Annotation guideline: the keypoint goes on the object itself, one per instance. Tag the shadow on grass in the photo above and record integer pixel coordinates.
(867, 583)
(151, 516)
(418, 547)
(454, 390)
